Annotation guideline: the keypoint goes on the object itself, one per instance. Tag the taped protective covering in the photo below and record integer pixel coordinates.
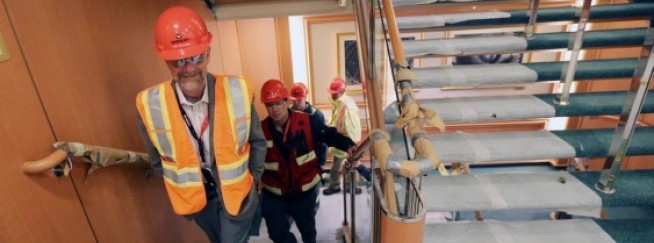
(464, 45)
(416, 2)
(538, 231)
(500, 146)
(473, 75)
(475, 109)
(414, 22)
(550, 191)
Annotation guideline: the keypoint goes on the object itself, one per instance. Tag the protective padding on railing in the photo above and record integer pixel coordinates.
(548, 191)
(537, 231)
(500, 146)
(412, 22)
(474, 109)
(473, 75)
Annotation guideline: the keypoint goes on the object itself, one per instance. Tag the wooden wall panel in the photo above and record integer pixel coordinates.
(259, 54)
(32, 208)
(88, 60)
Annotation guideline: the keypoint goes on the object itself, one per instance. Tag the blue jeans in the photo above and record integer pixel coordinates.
(302, 208)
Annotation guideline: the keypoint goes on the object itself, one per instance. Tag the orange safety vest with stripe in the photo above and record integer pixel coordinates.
(301, 172)
(169, 134)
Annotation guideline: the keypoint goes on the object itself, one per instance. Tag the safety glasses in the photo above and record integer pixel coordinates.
(194, 60)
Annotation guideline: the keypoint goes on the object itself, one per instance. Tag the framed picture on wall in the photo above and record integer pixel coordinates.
(347, 65)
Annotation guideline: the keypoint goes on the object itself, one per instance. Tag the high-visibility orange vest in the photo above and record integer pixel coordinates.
(169, 134)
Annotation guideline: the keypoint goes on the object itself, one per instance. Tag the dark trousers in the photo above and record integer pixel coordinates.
(219, 226)
(302, 208)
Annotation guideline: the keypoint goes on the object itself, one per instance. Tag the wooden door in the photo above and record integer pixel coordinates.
(88, 60)
(32, 208)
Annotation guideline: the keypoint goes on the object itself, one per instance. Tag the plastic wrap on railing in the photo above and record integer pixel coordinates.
(384, 155)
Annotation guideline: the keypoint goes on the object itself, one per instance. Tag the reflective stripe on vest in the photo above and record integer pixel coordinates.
(155, 112)
(237, 110)
(305, 158)
(234, 172)
(182, 178)
(311, 184)
(269, 143)
(271, 166)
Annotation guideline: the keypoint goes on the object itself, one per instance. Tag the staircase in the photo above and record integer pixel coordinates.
(569, 191)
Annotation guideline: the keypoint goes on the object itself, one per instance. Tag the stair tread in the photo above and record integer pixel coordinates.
(560, 231)
(491, 18)
(528, 145)
(514, 73)
(633, 187)
(509, 43)
(502, 108)
(539, 190)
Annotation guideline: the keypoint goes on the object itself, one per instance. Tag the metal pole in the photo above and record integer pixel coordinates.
(630, 113)
(533, 14)
(568, 73)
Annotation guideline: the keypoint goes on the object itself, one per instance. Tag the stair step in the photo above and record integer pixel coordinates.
(516, 43)
(517, 191)
(496, 18)
(514, 73)
(528, 145)
(502, 108)
(536, 231)
(632, 188)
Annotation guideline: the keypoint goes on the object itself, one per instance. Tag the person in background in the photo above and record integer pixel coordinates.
(298, 95)
(345, 118)
(291, 176)
(202, 132)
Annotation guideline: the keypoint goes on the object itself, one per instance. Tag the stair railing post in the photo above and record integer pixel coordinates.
(533, 14)
(630, 112)
(568, 73)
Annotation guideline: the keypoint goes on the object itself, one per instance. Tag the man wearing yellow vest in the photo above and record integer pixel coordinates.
(291, 177)
(202, 132)
(345, 118)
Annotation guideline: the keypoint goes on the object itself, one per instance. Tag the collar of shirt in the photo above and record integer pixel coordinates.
(184, 101)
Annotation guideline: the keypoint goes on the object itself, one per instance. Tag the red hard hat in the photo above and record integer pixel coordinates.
(180, 33)
(299, 91)
(273, 90)
(337, 85)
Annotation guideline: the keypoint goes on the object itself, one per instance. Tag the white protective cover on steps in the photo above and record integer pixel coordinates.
(488, 108)
(473, 75)
(533, 191)
(464, 45)
(488, 231)
(413, 22)
(500, 146)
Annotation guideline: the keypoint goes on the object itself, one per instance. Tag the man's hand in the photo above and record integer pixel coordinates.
(351, 150)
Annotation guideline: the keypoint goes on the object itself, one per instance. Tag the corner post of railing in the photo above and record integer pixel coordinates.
(640, 83)
(568, 72)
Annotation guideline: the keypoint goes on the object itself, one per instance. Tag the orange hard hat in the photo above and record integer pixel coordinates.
(180, 33)
(273, 90)
(337, 85)
(299, 91)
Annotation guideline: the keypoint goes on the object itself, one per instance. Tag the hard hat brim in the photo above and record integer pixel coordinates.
(182, 53)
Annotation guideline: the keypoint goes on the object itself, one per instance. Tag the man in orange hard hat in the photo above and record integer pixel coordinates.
(202, 132)
(345, 118)
(298, 95)
(291, 177)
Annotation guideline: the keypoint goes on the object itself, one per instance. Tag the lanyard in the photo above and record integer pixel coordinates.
(203, 128)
